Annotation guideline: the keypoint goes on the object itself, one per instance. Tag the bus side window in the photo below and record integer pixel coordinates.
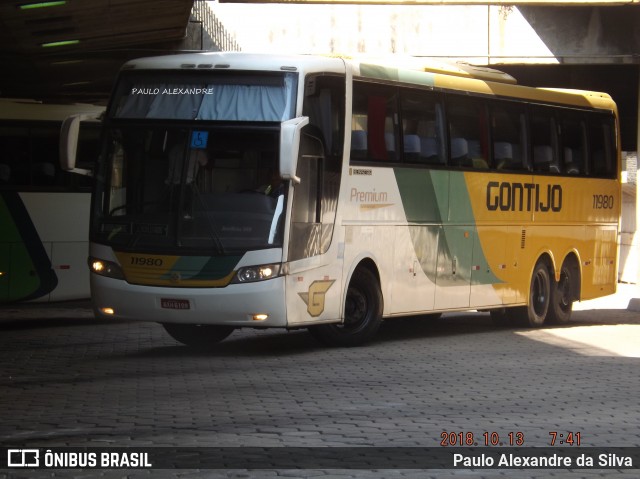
(508, 136)
(544, 141)
(30, 156)
(601, 146)
(14, 144)
(5, 174)
(44, 156)
(573, 145)
(324, 105)
(43, 173)
(374, 112)
(358, 144)
(359, 117)
(315, 198)
(422, 128)
(468, 132)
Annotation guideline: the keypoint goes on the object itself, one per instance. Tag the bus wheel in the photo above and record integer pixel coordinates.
(200, 336)
(362, 313)
(562, 297)
(534, 314)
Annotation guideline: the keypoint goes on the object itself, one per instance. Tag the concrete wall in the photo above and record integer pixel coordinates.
(629, 237)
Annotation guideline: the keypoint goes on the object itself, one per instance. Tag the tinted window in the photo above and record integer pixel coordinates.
(602, 146)
(422, 132)
(508, 122)
(30, 156)
(573, 143)
(373, 129)
(544, 141)
(468, 144)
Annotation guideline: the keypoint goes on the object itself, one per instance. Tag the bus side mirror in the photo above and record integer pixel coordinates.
(289, 147)
(69, 138)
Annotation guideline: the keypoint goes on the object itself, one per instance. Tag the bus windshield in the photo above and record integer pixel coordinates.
(206, 95)
(168, 189)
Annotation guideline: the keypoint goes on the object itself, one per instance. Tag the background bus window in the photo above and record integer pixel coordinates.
(14, 144)
(544, 141)
(601, 146)
(374, 123)
(573, 143)
(508, 135)
(30, 157)
(44, 156)
(422, 128)
(467, 132)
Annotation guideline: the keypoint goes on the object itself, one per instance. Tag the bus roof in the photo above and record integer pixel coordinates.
(22, 109)
(477, 79)
(236, 61)
(413, 70)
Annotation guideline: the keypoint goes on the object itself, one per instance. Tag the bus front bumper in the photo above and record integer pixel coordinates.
(259, 304)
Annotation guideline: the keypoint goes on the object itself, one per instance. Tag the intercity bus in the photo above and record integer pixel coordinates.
(44, 211)
(331, 193)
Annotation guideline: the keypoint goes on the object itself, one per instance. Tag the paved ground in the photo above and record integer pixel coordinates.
(74, 381)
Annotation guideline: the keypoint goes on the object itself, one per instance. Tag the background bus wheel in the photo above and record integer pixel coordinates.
(362, 313)
(534, 314)
(197, 335)
(562, 297)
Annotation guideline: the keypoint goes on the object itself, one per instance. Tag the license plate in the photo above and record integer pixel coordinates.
(171, 303)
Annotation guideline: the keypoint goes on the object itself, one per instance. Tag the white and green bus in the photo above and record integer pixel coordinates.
(238, 190)
(44, 211)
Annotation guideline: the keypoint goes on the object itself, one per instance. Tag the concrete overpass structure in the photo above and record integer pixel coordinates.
(71, 50)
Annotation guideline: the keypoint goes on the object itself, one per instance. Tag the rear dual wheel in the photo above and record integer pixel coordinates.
(562, 296)
(549, 301)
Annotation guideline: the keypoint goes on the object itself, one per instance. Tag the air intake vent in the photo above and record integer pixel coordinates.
(523, 239)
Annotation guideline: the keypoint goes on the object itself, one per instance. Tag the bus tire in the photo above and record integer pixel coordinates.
(201, 336)
(362, 313)
(537, 310)
(562, 296)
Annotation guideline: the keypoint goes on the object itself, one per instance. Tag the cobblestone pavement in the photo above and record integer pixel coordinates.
(75, 381)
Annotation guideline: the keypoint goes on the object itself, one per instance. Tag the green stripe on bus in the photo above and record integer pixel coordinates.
(203, 267)
(395, 74)
(424, 194)
(442, 227)
(25, 265)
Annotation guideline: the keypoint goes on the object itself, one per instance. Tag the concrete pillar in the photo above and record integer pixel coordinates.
(635, 236)
(634, 303)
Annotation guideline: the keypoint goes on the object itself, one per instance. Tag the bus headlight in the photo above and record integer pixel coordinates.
(105, 268)
(263, 272)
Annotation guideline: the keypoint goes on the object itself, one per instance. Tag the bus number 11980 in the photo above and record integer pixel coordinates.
(146, 261)
(602, 202)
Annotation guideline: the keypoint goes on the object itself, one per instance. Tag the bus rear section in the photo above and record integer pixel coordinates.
(469, 196)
